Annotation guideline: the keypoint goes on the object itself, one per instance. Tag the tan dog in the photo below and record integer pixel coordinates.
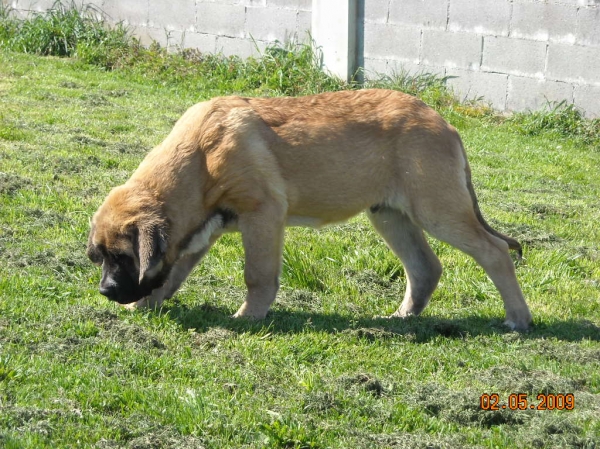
(259, 164)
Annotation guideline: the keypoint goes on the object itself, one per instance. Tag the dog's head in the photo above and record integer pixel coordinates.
(137, 246)
(129, 238)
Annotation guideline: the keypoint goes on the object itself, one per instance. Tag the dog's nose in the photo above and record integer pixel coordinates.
(109, 291)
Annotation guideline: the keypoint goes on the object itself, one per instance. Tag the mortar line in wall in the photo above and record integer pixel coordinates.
(245, 21)
(506, 95)
(510, 18)
(546, 56)
(387, 16)
(420, 59)
(195, 16)
(482, 50)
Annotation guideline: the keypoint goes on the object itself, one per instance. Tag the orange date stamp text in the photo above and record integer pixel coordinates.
(521, 401)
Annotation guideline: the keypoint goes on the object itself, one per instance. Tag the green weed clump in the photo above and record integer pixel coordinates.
(429, 87)
(290, 68)
(66, 30)
(561, 119)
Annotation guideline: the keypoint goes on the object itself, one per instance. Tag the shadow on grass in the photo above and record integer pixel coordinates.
(417, 329)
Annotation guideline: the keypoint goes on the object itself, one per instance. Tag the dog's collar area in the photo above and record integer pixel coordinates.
(199, 239)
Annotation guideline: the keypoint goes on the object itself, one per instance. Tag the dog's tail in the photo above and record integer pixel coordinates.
(512, 243)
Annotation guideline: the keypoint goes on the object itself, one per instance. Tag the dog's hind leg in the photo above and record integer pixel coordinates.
(262, 237)
(423, 268)
(454, 220)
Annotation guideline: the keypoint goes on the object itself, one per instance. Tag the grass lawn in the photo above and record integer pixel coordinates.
(321, 372)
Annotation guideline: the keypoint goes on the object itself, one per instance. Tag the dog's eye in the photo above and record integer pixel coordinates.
(95, 256)
(124, 260)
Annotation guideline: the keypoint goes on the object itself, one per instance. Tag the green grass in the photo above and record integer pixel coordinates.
(320, 372)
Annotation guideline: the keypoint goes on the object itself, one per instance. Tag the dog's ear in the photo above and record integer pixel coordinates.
(151, 249)
(92, 252)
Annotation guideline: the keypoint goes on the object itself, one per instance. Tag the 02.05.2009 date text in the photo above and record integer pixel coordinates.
(520, 401)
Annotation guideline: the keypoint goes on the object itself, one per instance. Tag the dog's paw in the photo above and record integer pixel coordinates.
(149, 302)
(523, 326)
(251, 312)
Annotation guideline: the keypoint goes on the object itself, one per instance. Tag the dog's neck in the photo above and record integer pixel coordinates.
(216, 224)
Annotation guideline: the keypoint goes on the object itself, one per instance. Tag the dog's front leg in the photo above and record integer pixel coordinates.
(179, 273)
(262, 237)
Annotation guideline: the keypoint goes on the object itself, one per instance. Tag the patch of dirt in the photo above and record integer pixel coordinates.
(416, 441)
(541, 211)
(46, 218)
(137, 432)
(86, 326)
(94, 99)
(509, 379)
(380, 333)
(320, 402)
(112, 328)
(462, 407)
(71, 165)
(70, 259)
(128, 148)
(11, 183)
(364, 382)
(70, 85)
(551, 431)
(164, 440)
(367, 280)
(213, 337)
(300, 299)
(116, 93)
(566, 352)
(88, 141)
(35, 420)
(529, 235)
(21, 259)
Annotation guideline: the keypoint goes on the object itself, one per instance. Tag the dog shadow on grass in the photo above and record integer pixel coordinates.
(417, 329)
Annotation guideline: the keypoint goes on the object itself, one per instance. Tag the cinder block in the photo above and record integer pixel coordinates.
(483, 16)
(585, 3)
(296, 5)
(271, 24)
(206, 43)
(220, 19)
(534, 94)
(588, 26)
(304, 25)
(450, 49)
(488, 87)
(181, 16)
(397, 67)
(244, 48)
(169, 39)
(25, 7)
(134, 12)
(515, 56)
(574, 63)
(420, 13)
(587, 98)
(395, 42)
(543, 21)
(246, 2)
(142, 34)
(375, 69)
(377, 11)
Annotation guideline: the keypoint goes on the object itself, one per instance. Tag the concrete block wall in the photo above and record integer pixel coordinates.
(516, 54)
(233, 27)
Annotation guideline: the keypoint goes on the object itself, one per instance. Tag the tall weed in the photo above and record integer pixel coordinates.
(561, 119)
(65, 30)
